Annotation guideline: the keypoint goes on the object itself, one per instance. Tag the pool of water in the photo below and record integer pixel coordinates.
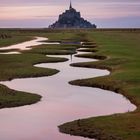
(27, 45)
(10, 53)
(60, 103)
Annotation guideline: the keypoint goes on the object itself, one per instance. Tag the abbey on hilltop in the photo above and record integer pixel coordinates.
(71, 19)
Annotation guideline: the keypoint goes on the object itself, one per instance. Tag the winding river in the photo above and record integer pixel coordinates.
(60, 102)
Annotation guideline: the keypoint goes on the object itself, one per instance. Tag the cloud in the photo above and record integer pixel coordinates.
(28, 12)
(62, 2)
(48, 10)
(121, 22)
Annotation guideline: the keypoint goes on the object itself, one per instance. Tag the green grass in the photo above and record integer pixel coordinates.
(119, 53)
(12, 98)
(14, 40)
(122, 51)
(21, 66)
(54, 49)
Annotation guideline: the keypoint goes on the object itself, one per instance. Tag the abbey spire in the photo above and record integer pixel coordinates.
(70, 5)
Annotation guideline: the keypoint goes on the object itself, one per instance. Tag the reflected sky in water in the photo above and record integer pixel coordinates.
(60, 103)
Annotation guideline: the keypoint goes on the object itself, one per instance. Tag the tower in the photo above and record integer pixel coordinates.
(71, 19)
(70, 5)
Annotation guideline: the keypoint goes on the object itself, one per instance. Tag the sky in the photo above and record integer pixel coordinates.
(41, 13)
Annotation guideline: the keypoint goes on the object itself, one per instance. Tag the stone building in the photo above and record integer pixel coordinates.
(72, 19)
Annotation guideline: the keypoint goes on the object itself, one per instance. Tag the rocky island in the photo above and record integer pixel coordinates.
(72, 19)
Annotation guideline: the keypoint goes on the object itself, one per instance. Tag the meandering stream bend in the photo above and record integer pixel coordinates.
(61, 103)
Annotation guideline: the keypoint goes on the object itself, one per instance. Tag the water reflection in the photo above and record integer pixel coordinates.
(10, 53)
(61, 102)
(27, 45)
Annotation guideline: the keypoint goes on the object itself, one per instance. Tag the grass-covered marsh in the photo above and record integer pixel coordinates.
(121, 49)
(119, 53)
(21, 65)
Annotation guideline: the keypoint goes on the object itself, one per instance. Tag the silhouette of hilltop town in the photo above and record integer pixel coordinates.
(71, 19)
